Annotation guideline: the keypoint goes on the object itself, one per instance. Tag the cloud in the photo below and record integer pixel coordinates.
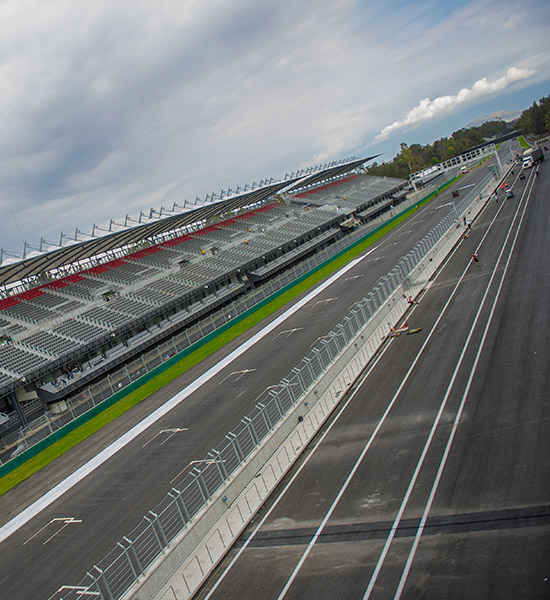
(122, 99)
(107, 107)
(428, 109)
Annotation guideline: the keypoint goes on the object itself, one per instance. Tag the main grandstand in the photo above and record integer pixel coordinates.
(71, 315)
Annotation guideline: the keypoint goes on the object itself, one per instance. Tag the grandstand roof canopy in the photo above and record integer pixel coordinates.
(336, 171)
(73, 251)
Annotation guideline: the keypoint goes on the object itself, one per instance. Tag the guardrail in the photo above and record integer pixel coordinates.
(116, 573)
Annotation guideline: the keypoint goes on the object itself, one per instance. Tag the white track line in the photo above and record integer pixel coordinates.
(454, 428)
(372, 437)
(384, 416)
(435, 425)
(48, 498)
(367, 446)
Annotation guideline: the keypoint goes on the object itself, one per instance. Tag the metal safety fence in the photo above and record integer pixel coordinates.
(113, 575)
(85, 399)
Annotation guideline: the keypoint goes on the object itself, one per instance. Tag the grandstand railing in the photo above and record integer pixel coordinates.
(113, 575)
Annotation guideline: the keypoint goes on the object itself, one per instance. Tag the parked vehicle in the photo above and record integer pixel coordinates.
(531, 157)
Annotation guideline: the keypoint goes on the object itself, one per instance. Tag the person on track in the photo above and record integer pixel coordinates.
(475, 257)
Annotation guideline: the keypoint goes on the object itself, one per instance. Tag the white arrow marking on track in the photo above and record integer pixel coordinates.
(66, 521)
(239, 373)
(289, 332)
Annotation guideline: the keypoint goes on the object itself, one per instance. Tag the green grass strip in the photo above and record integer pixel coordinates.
(188, 358)
(523, 143)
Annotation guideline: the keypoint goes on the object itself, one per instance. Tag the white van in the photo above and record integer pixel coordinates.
(532, 156)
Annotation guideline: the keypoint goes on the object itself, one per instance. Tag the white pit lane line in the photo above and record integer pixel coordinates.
(63, 486)
(359, 383)
(371, 439)
(450, 439)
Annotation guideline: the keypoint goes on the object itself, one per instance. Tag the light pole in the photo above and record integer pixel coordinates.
(498, 158)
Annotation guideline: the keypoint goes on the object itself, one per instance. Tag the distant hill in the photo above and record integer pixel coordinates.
(501, 115)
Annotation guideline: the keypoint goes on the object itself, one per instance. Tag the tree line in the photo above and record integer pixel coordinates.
(536, 119)
(533, 121)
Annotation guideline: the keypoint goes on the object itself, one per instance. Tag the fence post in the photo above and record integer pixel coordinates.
(267, 420)
(104, 582)
(110, 382)
(319, 359)
(235, 442)
(359, 324)
(286, 383)
(326, 347)
(251, 428)
(335, 336)
(219, 463)
(157, 529)
(201, 484)
(23, 438)
(274, 396)
(180, 503)
(311, 372)
(48, 420)
(350, 332)
(126, 554)
(298, 374)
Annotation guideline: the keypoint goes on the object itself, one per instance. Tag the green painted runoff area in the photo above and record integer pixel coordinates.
(68, 436)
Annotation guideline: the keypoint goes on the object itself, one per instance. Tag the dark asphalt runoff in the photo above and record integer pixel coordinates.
(434, 481)
(503, 428)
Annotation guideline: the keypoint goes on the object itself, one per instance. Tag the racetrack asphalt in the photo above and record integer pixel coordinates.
(110, 501)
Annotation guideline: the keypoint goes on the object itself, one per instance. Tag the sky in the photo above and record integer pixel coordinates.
(108, 108)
